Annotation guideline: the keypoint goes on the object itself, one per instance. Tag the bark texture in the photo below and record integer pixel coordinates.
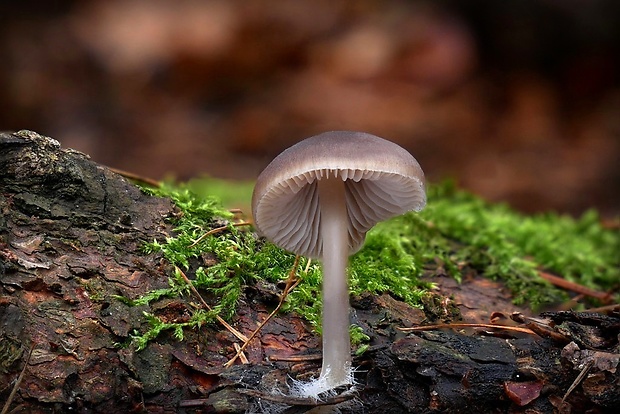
(70, 237)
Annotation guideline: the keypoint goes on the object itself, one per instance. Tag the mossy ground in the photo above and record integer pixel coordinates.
(457, 231)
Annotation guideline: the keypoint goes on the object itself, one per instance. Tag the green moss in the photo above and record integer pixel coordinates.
(503, 244)
(197, 215)
(457, 232)
(359, 339)
(236, 258)
(389, 262)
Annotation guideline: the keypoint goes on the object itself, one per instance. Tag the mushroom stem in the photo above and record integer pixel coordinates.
(336, 368)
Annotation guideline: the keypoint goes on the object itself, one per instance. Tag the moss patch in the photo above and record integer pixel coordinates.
(503, 244)
(458, 231)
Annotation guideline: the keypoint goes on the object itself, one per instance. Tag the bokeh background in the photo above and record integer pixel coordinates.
(517, 100)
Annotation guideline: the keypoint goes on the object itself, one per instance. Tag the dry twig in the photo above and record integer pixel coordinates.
(291, 282)
(242, 357)
(135, 177)
(580, 377)
(577, 288)
(604, 309)
(296, 358)
(218, 230)
(466, 325)
(540, 327)
(9, 400)
(235, 332)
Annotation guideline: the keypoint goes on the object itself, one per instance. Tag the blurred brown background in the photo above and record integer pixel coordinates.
(518, 100)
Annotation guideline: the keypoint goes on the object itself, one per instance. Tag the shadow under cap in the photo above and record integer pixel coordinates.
(381, 180)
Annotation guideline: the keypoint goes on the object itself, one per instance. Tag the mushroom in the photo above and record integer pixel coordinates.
(318, 199)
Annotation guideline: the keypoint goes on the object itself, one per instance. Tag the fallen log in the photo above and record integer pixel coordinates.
(71, 237)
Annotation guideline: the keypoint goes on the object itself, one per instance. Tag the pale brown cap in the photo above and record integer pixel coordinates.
(382, 180)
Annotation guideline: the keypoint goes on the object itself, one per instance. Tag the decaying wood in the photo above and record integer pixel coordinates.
(70, 238)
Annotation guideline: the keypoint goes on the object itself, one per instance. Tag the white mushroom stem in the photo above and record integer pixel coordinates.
(336, 368)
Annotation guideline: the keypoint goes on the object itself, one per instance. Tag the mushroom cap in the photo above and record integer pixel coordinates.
(381, 180)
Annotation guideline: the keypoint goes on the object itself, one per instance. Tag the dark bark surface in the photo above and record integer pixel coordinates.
(70, 238)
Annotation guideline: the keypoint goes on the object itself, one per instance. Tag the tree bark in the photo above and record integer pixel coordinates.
(71, 233)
